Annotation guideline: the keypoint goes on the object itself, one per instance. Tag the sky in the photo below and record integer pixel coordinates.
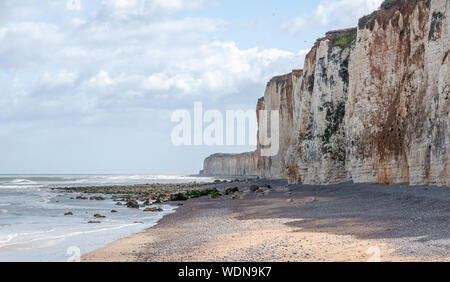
(89, 86)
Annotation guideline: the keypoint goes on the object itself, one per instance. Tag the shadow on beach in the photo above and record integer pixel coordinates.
(366, 211)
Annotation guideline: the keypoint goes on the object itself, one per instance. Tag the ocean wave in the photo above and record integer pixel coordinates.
(2, 186)
(25, 182)
(142, 176)
(148, 177)
(38, 232)
(8, 238)
(21, 181)
(22, 240)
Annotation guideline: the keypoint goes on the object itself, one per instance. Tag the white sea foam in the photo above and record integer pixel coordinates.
(22, 181)
(42, 181)
(51, 239)
(7, 238)
(36, 229)
(6, 186)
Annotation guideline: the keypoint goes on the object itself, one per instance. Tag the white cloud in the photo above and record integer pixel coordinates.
(102, 79)
(107, 66)
(73, 5)
(221, 68)
(335, 13)
(164, 82)
(147, 9)
(113, 73)
(63, 78)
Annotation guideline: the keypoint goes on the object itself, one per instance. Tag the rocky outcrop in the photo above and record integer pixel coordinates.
(371, 104)
(231, 165)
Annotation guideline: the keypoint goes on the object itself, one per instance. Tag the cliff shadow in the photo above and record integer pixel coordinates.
(367, 211)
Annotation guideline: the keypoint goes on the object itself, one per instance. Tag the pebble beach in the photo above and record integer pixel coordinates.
(271, 221)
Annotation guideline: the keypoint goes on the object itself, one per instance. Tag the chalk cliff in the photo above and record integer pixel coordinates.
(398, 106)
(370, 105)
(280, 95)
(231, 165)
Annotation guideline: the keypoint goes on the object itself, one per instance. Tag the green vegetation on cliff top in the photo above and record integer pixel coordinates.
(344, 40)
(368, 21)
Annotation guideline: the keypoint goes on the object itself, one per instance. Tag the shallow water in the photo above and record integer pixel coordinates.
(33, 226)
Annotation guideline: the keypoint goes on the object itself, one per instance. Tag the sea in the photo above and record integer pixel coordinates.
(33, 227)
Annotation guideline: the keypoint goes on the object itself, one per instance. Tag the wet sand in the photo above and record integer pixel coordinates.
(346, 222)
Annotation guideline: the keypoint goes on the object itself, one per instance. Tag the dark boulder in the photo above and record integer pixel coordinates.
(132, 204)
(254, 188)
(230, 191)
(153, 210)
(95, 198)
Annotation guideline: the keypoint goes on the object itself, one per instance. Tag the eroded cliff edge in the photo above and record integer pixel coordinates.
(370, 105)
(245, 164)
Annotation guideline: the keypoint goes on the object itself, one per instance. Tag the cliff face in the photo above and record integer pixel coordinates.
(231, 165)
(398, 106)
(312, 107)
(280, 94)
(372, 103)
(317, 154)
